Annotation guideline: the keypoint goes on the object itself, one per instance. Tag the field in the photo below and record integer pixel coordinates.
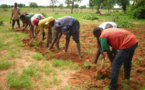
(23, 67)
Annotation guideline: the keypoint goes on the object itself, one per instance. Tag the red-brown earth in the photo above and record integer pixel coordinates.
(94, 77)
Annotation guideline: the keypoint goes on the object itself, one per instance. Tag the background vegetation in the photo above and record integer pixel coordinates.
(24, 69)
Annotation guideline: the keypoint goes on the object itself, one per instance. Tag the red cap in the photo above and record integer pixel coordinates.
(34, 21)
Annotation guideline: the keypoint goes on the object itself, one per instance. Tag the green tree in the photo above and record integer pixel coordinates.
(21, 5)
(53, 2)
(138, 10)
(109, 4)
(4, 6)
(68, 2)
(91, 5)
(84, 6)
(76, 6)
(60, 6)
(33, 5)
(72, 3)
(97, 3)
(123, 3)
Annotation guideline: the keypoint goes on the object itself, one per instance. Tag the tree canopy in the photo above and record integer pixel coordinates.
(33, 5)
(123, 3)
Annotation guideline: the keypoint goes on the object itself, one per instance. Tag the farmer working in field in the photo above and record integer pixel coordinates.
(25, 13)
(123, 41)
(70, 27)
(37, 16)
(104, 26)
(15, 15)
(28, 21)
(46, 23)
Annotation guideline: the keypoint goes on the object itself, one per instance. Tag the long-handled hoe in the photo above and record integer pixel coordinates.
(34, 38)
(45, 51)
(102, 65)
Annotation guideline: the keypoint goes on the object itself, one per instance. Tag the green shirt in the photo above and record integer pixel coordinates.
(104, 44)
(29, 16)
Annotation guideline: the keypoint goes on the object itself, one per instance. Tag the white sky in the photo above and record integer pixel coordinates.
(40, 2)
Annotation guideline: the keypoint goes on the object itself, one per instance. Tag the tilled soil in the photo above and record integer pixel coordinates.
(94, 77)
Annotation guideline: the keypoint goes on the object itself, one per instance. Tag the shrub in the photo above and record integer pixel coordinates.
(122, 22)
(90, 17)
(44, 14)
(137, 10)
(56, 13)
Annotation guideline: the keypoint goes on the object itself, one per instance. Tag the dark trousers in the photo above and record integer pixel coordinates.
(123, 56)
(74, 31)
(13, 23)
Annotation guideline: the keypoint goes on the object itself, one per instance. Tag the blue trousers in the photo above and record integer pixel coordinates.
(124, 56)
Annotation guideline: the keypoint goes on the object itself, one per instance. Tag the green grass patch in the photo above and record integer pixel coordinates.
(87, 65)
(47, 68)
(35, 43)
(1, 44)
(143, 88)
(1, 23)
(64, 64)
(39, 56)
(5, 64)
(18, 81)
(100, 77)
(50, 53)
(55, 81)
(125, 86)
(30, 71)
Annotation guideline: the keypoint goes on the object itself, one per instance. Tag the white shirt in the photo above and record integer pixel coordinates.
(103, 25)
(37, 16)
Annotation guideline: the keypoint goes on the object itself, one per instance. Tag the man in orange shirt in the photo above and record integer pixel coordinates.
(15, 15)
(123, 41)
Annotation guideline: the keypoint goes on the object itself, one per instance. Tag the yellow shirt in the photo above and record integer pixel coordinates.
(16, 13)
(44, 23)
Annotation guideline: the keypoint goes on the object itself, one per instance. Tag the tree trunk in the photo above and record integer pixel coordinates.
(124, 8)
(98, 7)
(72, 7)
(53, 8)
